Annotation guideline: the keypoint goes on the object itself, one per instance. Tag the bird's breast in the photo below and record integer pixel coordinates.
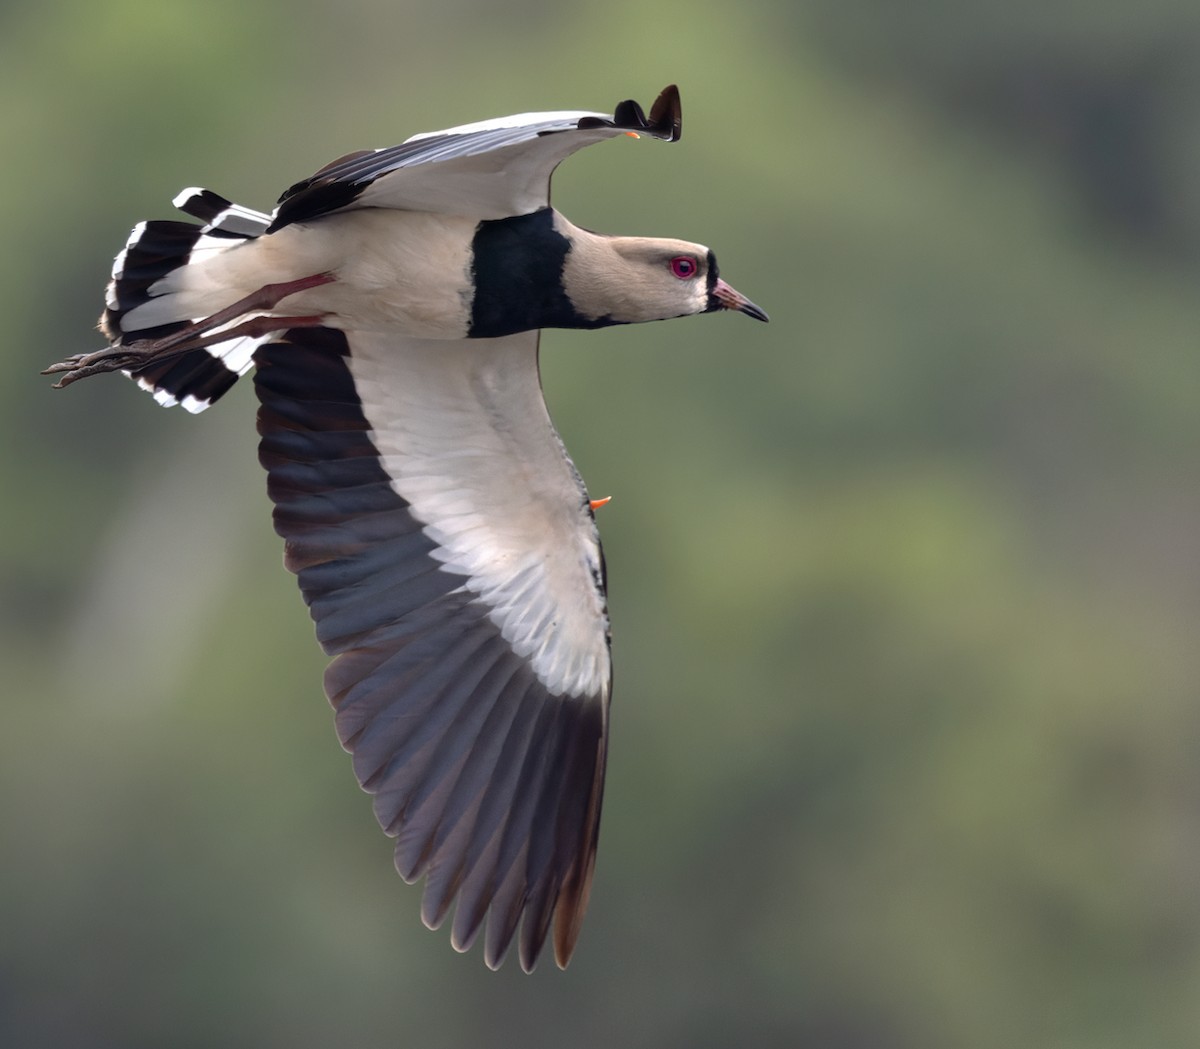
(517, 268)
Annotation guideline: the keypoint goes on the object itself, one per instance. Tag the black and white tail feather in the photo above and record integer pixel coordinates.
(154, 251)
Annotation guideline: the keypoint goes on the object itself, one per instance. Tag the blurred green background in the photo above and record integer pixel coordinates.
(904, 586)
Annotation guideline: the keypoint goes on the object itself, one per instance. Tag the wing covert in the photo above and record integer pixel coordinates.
(493, 168)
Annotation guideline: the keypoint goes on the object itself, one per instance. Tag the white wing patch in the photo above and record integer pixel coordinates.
(463, 431)
(516, 120)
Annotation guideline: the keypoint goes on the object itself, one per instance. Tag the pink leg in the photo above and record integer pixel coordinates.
(195, 336)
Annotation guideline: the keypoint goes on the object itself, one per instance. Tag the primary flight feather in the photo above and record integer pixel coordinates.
(443, 540)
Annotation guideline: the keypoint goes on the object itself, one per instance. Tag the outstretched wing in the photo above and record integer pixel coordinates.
(446, 548)
(492, 169)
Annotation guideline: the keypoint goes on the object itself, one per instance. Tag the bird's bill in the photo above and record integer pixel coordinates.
(727, 298)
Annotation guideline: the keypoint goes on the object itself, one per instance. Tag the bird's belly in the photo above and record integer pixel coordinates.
(400, 272)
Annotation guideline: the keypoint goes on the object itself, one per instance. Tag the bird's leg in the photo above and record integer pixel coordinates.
(138, 355)
(142, 352)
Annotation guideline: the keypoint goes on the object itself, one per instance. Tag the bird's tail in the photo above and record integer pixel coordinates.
(142, 272)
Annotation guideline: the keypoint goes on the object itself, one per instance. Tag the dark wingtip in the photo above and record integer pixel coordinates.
(666, 115)
(665, 120)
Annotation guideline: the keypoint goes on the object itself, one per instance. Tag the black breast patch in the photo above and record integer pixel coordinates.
(517, 266)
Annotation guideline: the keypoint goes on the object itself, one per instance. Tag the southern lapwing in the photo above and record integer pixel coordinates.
(444, 542)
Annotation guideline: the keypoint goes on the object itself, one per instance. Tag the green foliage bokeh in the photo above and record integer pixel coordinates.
(904, 585)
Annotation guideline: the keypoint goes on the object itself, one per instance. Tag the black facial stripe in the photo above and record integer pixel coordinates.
(517, 267)
(713, 274)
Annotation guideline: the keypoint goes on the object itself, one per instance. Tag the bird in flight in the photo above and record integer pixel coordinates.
(444, 542)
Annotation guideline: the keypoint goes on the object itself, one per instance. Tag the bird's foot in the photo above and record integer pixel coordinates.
(143, 352)
(113, 358)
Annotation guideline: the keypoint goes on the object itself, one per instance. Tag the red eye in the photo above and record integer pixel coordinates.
(684, 267)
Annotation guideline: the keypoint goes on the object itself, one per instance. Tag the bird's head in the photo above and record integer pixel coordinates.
(632, 279)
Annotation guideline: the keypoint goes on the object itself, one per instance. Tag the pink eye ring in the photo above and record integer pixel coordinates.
(684, 267)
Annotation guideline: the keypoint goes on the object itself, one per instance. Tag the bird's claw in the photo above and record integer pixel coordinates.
(113, 358)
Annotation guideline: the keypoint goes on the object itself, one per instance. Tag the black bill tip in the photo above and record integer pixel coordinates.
(727, 298)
